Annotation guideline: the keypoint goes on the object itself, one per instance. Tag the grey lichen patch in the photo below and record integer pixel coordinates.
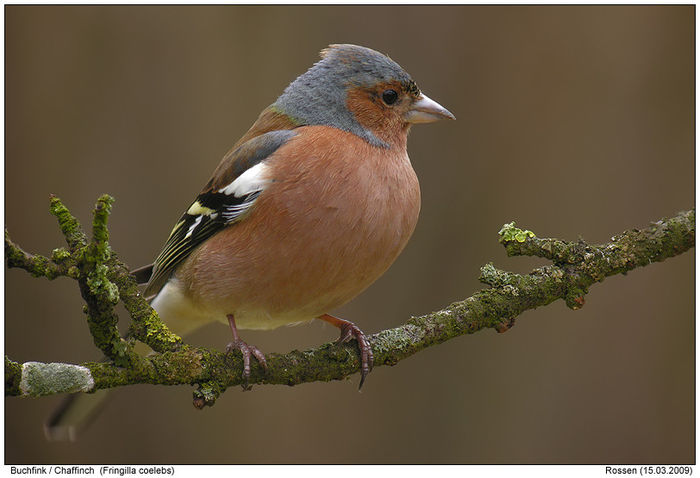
(395, 341)
(40, 379)
(494, 277)
(510, 233)
(489, 274)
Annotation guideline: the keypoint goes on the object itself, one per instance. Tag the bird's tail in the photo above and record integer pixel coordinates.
(74, 414)
(77, 411)
(143, 274)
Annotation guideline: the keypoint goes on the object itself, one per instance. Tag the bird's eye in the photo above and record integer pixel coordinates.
(390, 97)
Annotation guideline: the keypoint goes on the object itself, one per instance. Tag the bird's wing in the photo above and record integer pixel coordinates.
(229, 194)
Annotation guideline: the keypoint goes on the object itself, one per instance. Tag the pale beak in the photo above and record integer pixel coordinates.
(425, 110)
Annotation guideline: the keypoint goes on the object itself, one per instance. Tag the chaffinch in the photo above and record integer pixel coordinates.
(307, 209)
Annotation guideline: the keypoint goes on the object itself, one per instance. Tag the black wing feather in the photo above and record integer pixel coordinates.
(191, 231)
(213, 210)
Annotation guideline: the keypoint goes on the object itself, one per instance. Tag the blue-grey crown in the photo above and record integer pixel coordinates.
(318, 96)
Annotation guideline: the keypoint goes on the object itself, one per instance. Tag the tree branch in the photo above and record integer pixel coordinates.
(104, 280)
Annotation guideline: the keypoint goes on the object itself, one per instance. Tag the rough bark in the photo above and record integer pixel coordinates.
(104, 281)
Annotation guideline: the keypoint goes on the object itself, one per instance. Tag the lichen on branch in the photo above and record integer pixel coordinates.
(104, 281)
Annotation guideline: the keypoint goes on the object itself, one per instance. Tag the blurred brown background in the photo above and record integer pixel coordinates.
(572, 121)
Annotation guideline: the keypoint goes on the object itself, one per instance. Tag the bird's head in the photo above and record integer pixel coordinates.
(361, 91)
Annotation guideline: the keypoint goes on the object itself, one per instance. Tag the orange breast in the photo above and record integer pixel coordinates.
(337, 214)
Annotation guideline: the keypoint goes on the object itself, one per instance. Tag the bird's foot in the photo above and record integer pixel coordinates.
(349, 331)
(246, 350)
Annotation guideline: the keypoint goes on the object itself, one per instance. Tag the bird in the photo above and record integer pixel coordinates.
(307, 209)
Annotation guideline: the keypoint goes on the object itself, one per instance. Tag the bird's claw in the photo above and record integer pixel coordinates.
(349, 331)
(247, 350)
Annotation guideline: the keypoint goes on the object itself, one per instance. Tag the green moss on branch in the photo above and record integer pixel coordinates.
(575, 267)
